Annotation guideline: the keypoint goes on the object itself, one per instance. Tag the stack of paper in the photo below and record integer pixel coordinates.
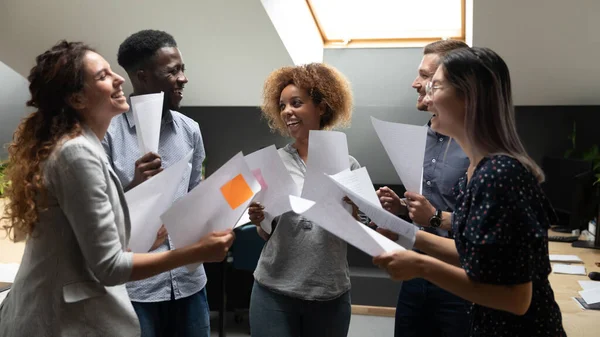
(568, 269)
(147, 114)
(590, 295)
(565, 258)
(405, 146)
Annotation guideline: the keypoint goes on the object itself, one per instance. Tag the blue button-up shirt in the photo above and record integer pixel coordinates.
(445, 162)
(178, 136)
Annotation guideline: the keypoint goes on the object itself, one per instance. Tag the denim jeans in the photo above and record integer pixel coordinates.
(273, 314)
(425, 309)
(185, 317)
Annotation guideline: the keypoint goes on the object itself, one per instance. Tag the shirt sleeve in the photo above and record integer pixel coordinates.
(79, 184)
(197, 158)
(106, 144)
(500, 234)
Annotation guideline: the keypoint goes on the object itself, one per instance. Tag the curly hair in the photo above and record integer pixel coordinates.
(324, 84)
(58, 74)
(139, 48)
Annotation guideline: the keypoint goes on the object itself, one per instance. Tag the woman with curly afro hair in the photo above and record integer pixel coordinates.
(302, 281)
(67, 202)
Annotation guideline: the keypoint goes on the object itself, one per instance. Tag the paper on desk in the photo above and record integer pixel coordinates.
(358, 187)
(564, 258)
(332, 217)
(276, 183)
(405, 146)
(147, 114)
(591, 296)
(568, 269)
(587, 285)
(216, 204)
(327, 154)
(150, 199)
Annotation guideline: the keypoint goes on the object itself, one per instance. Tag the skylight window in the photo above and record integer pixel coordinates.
(366, 22)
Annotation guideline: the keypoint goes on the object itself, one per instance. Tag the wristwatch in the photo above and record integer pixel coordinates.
(436, 220)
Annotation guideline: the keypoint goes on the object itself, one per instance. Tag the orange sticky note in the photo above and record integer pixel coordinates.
(236, 191)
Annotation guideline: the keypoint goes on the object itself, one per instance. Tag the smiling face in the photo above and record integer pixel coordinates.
(298, 112)
(427, 68)
(166, 74)
(102, 96)
(446, 106)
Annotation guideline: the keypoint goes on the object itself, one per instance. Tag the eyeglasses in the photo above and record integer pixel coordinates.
(430, 89)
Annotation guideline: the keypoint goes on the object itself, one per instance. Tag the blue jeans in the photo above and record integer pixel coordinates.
(185, 317)
(425, 309)
(273, 314)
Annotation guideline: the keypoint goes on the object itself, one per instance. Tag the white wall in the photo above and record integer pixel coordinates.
(229, 46)
(297, 29)
(552, 47)
(13, 94)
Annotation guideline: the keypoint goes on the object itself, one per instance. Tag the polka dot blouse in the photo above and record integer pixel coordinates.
(501, 225)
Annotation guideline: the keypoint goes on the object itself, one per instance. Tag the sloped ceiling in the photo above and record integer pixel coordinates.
(229, 46)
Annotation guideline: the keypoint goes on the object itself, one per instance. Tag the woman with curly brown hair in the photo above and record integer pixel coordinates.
(302, 278)
(67, 202)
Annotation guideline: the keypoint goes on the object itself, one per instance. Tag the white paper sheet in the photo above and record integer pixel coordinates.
(8, 272)
(558, 268)
(587, 285)
(147, 114)
(405, 146)
(277, 183)
(205, 209)
(332, 217)
(359, 182)
(564, 258)
(590, 296)
(327, 154)
(150, 199)
(355, 184)
(3, 296)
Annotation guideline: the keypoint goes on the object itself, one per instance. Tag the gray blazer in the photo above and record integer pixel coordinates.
(71, 279)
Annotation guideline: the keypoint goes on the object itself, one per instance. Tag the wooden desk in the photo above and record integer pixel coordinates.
(576, 321)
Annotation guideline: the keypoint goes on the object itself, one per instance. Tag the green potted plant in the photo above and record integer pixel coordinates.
(592, 155)
(3, 180)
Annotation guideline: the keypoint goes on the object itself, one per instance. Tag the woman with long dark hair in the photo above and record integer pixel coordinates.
(498, 258)
(66, 201)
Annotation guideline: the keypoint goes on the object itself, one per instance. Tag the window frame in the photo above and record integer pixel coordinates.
(392, 42)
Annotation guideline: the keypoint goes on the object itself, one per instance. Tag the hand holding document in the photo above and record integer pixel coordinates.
(358, 187)
(276, 184)
(150, 199)
(331, 216)
(405, 146)
(147, 114)
(216, 204)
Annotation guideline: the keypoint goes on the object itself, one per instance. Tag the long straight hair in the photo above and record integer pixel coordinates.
(483, 79)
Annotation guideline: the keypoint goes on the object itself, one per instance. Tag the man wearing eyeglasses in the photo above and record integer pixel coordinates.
(423, 308)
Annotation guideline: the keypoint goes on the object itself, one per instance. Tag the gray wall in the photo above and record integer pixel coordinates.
(381, 80)
(229, 130)
(13, 94)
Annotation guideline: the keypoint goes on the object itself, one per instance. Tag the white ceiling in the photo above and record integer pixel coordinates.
(229, 46)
